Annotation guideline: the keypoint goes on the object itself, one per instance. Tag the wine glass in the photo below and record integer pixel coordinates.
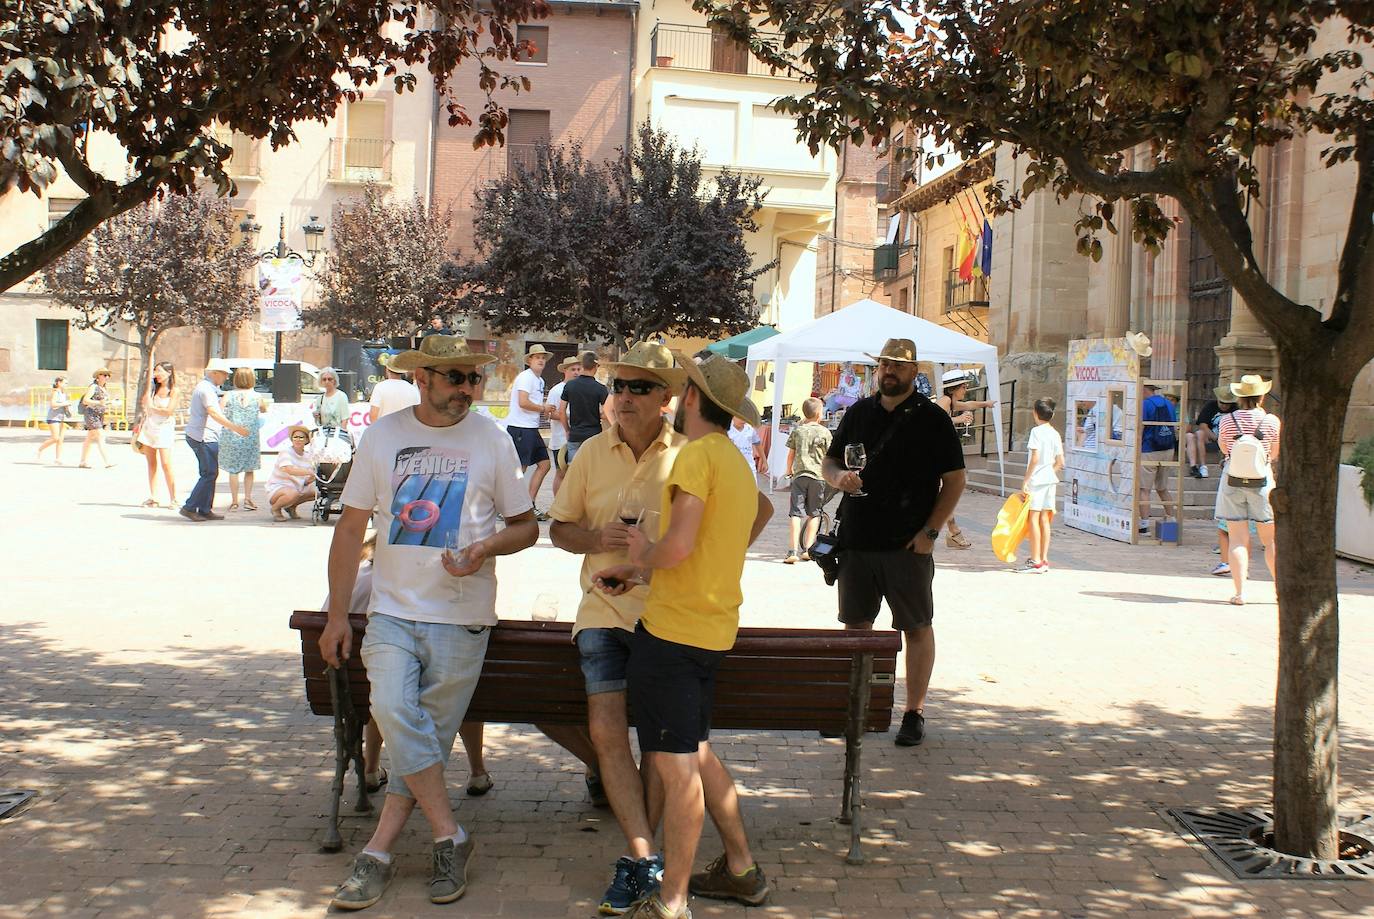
(545, 608)
(855, 458)
(457, 541)
(631, 503)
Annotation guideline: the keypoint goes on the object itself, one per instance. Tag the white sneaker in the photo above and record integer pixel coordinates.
(1144, 527)
(1202, 471)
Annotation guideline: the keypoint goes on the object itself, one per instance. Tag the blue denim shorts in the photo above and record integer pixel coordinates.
(423, 675)
(604, 654)
(1239, 504)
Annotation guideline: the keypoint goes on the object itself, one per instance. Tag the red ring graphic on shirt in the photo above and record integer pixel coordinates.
(420, 525)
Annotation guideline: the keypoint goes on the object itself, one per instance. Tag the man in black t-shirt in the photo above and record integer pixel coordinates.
(1205, 432)
(584, 401)
(892, 513)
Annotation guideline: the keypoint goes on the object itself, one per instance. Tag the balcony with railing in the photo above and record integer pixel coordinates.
(522, 156)
(890, 180)
(970, 294)
(706, 48)
(355, 160)
(244, 162)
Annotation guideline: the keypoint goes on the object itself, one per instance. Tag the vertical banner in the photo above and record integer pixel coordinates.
(1100, 430)
(281, 286)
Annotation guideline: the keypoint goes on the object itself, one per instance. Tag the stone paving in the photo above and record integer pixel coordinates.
(152, 694)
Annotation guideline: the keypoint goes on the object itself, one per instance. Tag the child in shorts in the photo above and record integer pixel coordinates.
(1046, 449)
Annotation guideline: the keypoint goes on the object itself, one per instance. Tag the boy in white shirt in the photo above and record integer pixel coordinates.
(1046, 449)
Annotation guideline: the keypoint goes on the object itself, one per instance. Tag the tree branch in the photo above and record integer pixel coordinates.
(1356, 255)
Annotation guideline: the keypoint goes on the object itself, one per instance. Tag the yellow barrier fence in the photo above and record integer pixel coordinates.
(116, 412)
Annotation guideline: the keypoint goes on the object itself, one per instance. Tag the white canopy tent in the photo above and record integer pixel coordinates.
(853, 333)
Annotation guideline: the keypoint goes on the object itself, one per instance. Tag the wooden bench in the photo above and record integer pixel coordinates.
(836, 682)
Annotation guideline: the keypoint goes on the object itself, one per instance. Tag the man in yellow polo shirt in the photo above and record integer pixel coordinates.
(713, 512)
(636, 454)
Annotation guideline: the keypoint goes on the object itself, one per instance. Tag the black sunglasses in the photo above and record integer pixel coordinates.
(637, 387)
(458, 377)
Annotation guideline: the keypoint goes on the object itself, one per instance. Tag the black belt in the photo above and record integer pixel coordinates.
(1236, 481)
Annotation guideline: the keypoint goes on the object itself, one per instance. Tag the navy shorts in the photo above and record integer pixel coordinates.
(604, 654)
(672, 688)
(529, 446)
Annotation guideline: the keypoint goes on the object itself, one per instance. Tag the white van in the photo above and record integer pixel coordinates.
(262, 369)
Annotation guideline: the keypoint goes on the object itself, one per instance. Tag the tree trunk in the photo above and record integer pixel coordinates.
(1305, 717)
(146, 347)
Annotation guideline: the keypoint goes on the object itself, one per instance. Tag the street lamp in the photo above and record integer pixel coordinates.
(314, 244)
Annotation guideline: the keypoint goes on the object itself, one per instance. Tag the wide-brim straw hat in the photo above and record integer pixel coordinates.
(653, 358)
(902, 350)
(1223, 393)
(1252, 384)
(101, 372)
(440, 351)
(570, 363)
(536, 351)
(299, 427)
(218, 365)
(1139, 342)
(723, 382)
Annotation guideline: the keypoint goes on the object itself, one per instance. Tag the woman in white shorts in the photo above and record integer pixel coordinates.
(1242, 501)
(1046, 449)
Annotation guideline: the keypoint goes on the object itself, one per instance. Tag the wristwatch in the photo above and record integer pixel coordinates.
(931, 533)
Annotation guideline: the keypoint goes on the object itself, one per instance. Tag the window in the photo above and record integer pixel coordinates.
(904, 300)
(709, 124)
(52, 344)
(537, 36)
(528, 128)
(57, 209)
(727, 54)
(243, 158)
(365, 149)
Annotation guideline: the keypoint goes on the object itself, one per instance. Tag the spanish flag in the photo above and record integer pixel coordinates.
(966, 254)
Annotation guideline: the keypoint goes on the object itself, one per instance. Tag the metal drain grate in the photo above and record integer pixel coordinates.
(1234, 836)
(12, 800)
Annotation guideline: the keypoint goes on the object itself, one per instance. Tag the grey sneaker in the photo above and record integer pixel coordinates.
(450, 879)
(365, 885)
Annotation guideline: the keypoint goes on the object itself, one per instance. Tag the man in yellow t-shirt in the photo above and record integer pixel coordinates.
(617, 473)
(714, 511)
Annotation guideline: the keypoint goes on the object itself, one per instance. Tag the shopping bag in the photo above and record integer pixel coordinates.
(1011, 527)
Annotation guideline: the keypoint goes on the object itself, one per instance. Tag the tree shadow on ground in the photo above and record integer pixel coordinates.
(198, 787)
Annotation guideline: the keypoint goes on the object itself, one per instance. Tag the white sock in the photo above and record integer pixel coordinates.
(458, 838)
(383, 857)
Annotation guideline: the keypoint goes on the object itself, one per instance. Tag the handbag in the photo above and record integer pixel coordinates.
(825, 551)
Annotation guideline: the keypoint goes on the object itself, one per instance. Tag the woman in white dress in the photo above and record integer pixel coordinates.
(157, 430)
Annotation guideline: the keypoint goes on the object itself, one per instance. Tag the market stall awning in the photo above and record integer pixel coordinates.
(736, 348)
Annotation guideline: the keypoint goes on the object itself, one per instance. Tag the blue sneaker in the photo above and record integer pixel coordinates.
(648, 876)
(622, 893)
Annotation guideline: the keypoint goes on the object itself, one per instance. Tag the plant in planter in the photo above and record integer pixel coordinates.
(1362, 457)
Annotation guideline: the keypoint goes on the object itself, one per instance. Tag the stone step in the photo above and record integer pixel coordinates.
(1199, 495)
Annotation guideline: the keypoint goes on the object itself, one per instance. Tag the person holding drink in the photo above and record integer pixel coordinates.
(898, 459)
(712, 512)
(618, 479)
(425, 472)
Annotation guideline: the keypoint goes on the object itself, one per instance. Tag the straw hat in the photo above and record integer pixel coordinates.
(536, 351)
(1223, 394)
(570, 363)
(1139, 342)
(723, 382)
(299, 427)
(1252, 385)
(654, 358)
(440, 351)
(101, 372)
(218, 365)
(902, 350)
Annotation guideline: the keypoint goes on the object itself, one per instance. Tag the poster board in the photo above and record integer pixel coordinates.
(1100, 438)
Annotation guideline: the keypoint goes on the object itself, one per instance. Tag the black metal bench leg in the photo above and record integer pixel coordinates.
(357, 727)
(860, 691)
(339, 699)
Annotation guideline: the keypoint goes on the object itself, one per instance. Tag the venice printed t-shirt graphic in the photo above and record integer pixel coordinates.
(424, 483)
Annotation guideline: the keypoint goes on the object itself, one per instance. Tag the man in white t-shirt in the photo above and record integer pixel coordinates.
(558, 422)
(436, 476)
(528, 409)
(392, 394)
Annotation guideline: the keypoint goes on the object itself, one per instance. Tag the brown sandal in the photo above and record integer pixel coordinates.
(956, 540)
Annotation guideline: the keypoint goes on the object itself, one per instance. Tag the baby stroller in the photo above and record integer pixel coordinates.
(332, 450)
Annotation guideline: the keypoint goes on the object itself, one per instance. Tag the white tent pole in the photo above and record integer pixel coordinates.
(776, 469)
(995, 389)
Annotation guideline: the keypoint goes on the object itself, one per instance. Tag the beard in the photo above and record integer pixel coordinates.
(455, 407)
(890, 385)
(680, 420)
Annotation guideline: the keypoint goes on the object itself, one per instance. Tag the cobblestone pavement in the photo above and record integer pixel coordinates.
(152, 694)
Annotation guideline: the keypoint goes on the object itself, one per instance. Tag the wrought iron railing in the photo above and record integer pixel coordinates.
(522, 156)
(703, 48)
(961, 294)
(244, 161)
(360, 159)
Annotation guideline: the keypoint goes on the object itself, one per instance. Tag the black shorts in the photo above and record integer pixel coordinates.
(529, 446)
(671, 690)
(900, 577)
(807, 497)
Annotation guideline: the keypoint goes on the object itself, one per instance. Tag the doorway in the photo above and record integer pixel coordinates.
(1209, 319)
